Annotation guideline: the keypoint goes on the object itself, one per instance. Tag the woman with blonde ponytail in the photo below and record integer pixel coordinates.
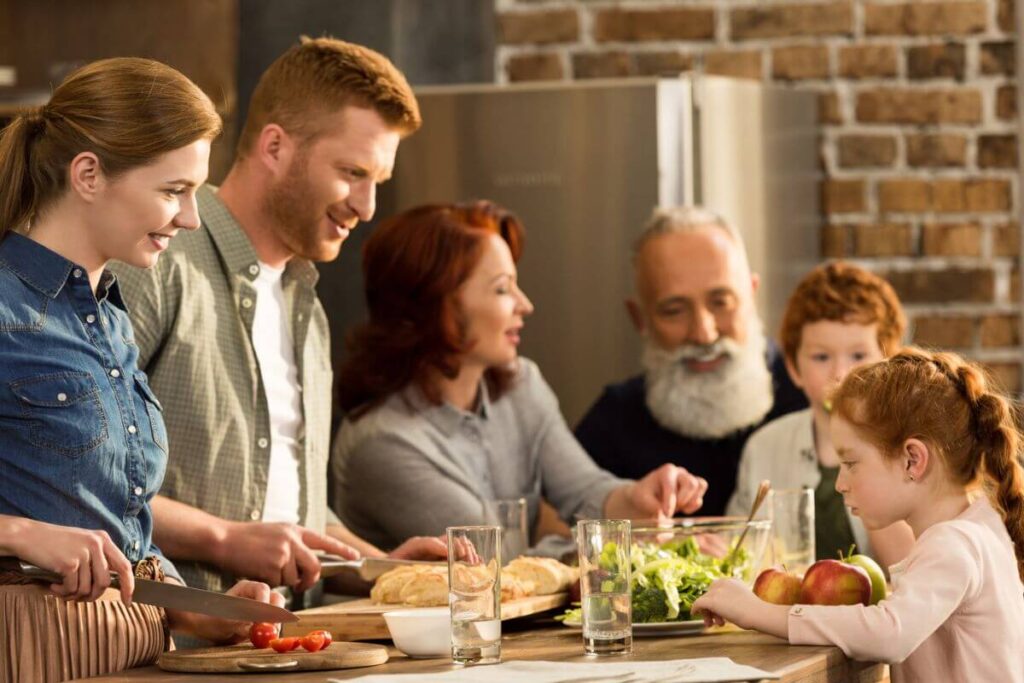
(106, 170)
(923, 439)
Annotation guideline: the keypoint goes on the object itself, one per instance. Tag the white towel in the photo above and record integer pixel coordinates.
(701, 670)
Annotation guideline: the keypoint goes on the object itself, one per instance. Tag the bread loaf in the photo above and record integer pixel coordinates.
(548, 576)
(427, 586)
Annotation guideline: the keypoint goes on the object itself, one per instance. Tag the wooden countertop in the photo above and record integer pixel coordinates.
(543, 641)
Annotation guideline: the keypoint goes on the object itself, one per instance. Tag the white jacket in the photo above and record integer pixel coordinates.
(783, 453)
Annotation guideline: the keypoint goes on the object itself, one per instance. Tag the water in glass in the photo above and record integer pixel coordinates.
(607, 625)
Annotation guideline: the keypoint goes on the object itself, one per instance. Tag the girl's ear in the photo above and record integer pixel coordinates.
(916, 458)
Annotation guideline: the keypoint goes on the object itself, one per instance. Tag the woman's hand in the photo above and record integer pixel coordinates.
(84, 558)
(730, 600)
(661, 494)
(224, 631)
(422, 548)
(668, 490)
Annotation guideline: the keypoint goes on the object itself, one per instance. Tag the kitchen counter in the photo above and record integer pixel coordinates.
(540, 640)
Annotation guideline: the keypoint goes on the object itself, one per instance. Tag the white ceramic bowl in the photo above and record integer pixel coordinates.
(422, 632)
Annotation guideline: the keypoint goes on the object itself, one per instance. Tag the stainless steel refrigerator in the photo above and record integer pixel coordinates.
(583, 164)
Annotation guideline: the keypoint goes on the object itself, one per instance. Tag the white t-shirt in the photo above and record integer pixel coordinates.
(275, 352)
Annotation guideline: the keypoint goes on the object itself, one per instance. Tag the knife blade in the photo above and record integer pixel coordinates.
(367, 568)
(175, 596)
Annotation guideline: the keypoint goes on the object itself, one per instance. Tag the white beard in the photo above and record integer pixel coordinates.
(710, 405)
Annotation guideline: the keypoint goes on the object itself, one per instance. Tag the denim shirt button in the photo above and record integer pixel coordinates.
(62, 397)
(115, 373)
(90, 318)
(137, 490)
(132, 429)
(77, 272)
(135, 546)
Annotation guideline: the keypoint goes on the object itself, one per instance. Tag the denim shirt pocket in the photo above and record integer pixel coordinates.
(64, 410)
(154, 411)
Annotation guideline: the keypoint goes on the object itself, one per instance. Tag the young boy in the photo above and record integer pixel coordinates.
(840, 316)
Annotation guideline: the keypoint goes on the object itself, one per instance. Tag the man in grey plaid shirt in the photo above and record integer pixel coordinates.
(234, 339)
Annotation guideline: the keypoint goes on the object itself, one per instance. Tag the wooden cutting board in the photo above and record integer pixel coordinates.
(363, 620)
(246, 659)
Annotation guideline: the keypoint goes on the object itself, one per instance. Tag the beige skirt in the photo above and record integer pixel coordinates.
(44, 638)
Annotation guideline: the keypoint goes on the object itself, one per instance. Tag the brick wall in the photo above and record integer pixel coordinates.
(918, 107)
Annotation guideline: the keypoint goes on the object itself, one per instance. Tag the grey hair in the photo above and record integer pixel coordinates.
(675, 219)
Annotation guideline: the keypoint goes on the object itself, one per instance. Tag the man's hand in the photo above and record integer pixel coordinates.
(278, 553)
(667, 490)
(421, 548)
(83, 557)
(224, 631)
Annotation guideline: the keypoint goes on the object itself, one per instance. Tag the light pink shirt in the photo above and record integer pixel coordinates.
(956, 612)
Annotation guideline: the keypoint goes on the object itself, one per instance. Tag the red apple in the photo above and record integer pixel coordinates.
(777, 587)
(831, 582)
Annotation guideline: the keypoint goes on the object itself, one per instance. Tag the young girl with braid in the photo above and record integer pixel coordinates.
(922, 438)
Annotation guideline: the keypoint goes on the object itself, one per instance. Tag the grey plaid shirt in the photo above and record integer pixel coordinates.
(193, 315)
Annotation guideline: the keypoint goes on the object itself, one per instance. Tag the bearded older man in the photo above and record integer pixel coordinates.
(711, 375)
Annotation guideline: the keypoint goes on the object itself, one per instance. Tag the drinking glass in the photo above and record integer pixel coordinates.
(474, 593)
(510, 515)
(604, 586)
(792, 513)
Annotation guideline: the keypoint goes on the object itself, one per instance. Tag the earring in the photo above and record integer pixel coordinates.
(911, 477)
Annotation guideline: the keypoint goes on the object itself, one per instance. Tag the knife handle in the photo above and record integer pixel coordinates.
(29, 570)
(33, 572)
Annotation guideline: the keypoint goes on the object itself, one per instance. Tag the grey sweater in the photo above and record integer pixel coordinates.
(410, 468)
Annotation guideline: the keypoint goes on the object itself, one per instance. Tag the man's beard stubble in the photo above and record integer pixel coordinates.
(710, 405)
(295, 212)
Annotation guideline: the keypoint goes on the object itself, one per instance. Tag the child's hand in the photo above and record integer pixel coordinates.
(731, 600)
(726, 600)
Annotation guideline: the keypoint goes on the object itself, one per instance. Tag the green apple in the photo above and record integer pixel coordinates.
(875, 573)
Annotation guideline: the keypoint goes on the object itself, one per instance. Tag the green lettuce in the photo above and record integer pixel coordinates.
(668, 578)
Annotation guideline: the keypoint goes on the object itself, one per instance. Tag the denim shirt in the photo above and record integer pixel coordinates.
(82, 438)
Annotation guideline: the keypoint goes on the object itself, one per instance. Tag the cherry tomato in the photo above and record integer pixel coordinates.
(314, 641)
(284, 644)
(260, 634)
(328, 638)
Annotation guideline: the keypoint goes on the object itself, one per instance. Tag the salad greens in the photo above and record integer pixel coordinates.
(668, 578)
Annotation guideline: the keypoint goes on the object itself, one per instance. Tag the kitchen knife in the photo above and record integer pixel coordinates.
(174, 596)
(367, 568)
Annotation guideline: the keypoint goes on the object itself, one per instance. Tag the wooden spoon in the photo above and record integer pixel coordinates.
(762, 492)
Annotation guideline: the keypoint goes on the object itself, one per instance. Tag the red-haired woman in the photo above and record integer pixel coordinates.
(443, 417)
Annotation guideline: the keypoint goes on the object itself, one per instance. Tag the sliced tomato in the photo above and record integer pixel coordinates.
(260, 634)
(328, 638)
(284, 644)
(314, 641)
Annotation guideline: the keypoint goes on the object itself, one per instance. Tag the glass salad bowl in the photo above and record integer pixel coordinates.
(673, 563)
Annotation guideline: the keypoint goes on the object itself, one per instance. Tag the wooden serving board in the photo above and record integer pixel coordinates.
(247, 659)
(363, 620)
